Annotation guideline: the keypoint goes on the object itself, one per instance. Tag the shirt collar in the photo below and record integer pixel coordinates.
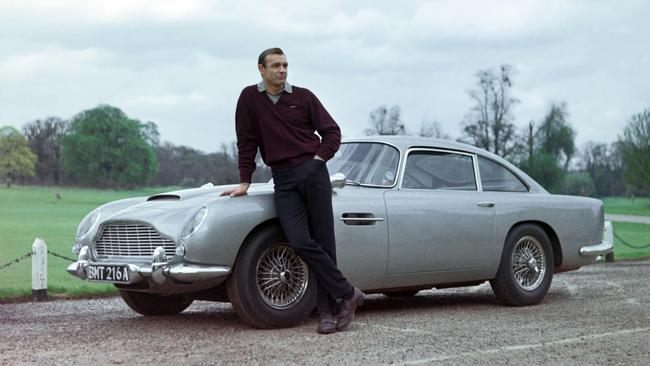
(262, 88)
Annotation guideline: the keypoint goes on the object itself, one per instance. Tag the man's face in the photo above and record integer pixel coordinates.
(275, 72)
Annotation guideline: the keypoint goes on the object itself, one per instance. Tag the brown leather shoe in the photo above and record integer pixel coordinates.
(327, 323)
(347, 309)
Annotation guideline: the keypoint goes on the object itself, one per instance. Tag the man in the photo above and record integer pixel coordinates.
(280, 120)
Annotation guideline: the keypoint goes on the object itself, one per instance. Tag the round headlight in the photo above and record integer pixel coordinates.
(88, 223)
(194, 222)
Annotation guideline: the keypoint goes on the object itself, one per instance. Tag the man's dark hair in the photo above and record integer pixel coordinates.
(269, 51)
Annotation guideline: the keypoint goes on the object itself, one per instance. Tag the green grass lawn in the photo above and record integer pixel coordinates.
(635, 234)
(30, 212)
(625, 206)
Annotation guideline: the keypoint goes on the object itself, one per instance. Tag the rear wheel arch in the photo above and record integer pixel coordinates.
(552, 236)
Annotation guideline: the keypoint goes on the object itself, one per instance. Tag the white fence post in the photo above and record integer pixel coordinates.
(609, 237)
(39, 270)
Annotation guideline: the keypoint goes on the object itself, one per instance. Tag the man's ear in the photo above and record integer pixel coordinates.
(260, 67)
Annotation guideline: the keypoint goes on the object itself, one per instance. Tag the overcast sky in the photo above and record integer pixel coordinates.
(182, 64)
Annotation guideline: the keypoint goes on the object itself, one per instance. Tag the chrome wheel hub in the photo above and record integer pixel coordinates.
(528, 263)
(282, 277)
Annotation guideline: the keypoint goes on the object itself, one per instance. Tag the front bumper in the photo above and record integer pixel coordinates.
(604, 247)
(159, 272)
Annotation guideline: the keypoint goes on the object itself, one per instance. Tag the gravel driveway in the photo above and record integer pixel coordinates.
(597, 315)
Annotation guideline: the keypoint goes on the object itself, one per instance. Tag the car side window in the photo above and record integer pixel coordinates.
(439, 170)
(495, 177)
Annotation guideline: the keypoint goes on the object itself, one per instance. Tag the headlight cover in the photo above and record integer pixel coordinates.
(88, 223)
(194, 222)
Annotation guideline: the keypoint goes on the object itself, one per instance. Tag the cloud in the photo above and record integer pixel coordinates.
(183, 64)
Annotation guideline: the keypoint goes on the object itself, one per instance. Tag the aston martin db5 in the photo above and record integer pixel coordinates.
(410, 214)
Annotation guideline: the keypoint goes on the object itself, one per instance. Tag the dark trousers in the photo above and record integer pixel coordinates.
(303, 202)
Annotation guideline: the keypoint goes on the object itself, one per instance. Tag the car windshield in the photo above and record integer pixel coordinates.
(366, 163)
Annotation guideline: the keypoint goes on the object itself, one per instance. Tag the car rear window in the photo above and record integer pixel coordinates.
(495, 177)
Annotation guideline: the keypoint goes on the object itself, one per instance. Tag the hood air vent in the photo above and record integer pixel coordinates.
(164, 197)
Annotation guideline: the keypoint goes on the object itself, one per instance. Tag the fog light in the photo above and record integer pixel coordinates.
(180, 250)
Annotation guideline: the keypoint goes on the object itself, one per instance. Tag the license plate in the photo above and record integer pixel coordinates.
(108, 273)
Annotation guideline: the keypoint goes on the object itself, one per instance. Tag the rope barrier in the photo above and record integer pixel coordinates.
(27, 255)
(15, 260)
(631, 245)
(60, 256)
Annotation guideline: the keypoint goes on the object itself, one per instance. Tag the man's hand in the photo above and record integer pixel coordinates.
(241, 190)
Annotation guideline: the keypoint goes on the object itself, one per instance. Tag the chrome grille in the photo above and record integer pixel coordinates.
(132, 240)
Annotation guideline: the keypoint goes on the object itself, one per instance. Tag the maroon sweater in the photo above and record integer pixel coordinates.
(283, 132)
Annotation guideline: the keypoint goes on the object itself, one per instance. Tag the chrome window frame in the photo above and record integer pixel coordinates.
(399, 162)
(522, 181)
(477, 180)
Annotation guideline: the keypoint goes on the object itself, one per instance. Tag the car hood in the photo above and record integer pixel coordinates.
(167, 212)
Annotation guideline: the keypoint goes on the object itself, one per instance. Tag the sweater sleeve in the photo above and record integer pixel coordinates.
(246, 140)
(326, 127)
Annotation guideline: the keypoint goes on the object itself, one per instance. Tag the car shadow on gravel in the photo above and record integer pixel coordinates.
(429, 300)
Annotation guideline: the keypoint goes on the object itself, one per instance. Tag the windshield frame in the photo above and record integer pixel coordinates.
(397, 171)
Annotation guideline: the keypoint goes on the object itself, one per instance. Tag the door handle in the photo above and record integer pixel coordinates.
(486, 204)
(360, 218)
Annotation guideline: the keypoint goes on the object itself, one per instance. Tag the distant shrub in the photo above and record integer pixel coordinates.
(578, 184)
(187, 182)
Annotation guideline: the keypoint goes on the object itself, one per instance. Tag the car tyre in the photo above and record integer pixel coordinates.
(153, 304)
(270, 286)
(526, 269)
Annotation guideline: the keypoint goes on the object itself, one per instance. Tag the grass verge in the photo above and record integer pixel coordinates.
(635, 234)
(640, 206)
(30, 212)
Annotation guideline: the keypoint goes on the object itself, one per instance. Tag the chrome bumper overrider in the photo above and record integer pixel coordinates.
(603, 247)
(159, 271)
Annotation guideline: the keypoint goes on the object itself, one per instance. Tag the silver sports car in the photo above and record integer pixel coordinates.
(410, 214)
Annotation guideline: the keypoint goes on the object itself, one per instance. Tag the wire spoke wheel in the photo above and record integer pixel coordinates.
(528, 263)
(282, 277)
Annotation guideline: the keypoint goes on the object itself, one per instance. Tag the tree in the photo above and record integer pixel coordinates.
(555, 136)
(488, 124)
(543, 168)
(16, 160)
(634, 146)
(385, 121)
(149, 131)
(44, 139)
(432, 129)
(185, 166)
(603, 164)
(106, 148)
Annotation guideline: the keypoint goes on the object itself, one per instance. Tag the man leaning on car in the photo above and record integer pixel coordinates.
(280, 119)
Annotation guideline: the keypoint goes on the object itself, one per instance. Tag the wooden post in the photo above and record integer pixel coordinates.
(39, 270)
(609, 237)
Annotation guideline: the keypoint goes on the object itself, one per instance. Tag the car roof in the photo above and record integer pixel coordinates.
(403, 143)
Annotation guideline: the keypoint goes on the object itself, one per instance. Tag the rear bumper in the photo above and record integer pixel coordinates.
(604, 247)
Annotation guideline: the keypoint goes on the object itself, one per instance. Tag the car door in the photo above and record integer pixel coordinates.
(361, 235)
(439, 220)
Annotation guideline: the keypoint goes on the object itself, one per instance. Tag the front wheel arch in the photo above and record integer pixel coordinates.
(244, 292)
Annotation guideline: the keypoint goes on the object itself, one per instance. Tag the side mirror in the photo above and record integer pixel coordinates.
(338, 180)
